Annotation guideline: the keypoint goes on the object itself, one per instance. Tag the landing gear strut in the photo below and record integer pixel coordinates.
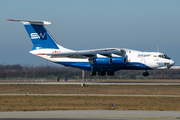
(145, 73)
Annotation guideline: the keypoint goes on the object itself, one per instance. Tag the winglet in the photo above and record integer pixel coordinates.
(36, 22)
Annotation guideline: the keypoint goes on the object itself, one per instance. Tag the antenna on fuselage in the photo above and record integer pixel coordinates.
(157, 48)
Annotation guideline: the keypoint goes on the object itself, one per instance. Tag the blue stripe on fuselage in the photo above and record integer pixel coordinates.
(113, 67)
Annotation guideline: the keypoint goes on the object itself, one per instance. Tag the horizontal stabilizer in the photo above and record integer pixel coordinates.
(36, 22)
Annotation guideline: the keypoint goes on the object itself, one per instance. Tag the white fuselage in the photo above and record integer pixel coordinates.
(139, 59)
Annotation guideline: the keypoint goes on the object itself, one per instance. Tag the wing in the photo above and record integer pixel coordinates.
(90, 53)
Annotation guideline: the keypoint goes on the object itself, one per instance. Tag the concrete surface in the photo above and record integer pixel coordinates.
(79, 83)
(94, 114)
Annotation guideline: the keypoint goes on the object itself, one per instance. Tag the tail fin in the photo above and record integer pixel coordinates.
(38, 34)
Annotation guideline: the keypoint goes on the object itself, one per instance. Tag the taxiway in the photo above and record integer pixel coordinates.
(93, 114)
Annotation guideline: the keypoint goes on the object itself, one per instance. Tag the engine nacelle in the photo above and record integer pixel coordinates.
(107, 60)
(100, 60)
(118, 60)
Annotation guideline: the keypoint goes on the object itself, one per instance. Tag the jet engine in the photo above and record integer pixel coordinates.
(107, 60)
(100, 60)
(118, 60)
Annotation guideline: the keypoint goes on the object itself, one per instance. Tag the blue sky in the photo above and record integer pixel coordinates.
(88, 24)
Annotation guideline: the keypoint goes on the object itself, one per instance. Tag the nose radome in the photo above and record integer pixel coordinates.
(172, 63)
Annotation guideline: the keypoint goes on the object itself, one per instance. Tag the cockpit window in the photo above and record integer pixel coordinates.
(164, 56)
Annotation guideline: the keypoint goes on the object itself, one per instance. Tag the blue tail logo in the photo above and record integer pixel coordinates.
(38, 34)
(40, 37)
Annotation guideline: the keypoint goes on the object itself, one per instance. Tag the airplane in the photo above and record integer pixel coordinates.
(97, 61)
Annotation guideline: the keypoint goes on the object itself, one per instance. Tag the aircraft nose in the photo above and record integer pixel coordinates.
(169, 64)
(172, 63)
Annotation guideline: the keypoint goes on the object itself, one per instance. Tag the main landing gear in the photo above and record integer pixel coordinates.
(92, 73)
(145, 73)
(101, 73)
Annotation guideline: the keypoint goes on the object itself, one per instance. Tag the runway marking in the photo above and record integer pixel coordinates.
(116, 95)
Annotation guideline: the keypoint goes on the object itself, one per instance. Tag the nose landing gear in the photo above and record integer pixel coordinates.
(145, 73)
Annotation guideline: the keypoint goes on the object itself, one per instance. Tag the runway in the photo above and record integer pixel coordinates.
(86, 83)
(89, 114)
(107, 95)
(93, 114)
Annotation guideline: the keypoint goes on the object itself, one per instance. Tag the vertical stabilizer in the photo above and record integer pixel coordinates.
(39, 36)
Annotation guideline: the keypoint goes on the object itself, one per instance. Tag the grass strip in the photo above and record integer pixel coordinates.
(36, 103)
(91, 89)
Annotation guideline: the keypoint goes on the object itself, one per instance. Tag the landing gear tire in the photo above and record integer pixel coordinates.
(102, 73)
(145, 73)
(92, 73)
(110, 73)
